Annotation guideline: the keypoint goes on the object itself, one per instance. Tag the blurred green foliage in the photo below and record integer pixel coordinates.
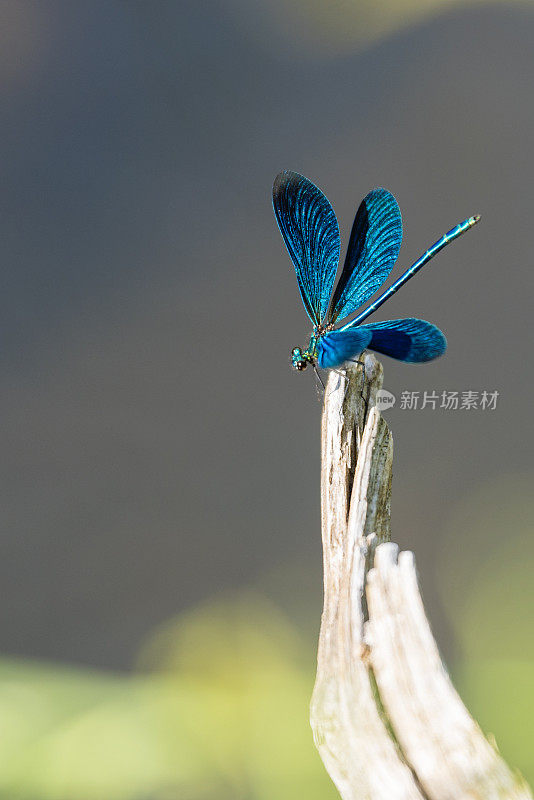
(487, 587)
(341, 25)
(218, 709)
(218, 704)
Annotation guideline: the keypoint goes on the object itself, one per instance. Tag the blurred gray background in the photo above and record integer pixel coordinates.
(157, 449)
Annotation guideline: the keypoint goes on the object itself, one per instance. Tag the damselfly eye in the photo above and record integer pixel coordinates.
(300, 365)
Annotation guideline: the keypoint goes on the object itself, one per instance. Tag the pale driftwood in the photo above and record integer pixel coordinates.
(387, 721)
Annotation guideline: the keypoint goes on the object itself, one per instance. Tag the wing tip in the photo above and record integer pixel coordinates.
(286, 176)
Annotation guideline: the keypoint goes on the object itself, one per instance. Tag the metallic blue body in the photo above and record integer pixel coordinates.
(310, 230)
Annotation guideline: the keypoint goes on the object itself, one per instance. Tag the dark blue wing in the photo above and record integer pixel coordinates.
(374, 245)
(336, 347)
(310, 230)
(412, 340)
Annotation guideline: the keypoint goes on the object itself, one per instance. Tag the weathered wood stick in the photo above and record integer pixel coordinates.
(386, 719)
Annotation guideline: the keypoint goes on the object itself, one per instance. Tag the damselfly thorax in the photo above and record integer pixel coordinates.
(301, 358)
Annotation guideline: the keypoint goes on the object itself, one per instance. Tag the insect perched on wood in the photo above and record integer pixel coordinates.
(309, 227)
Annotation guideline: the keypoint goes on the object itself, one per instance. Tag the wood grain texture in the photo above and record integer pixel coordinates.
(386, 719)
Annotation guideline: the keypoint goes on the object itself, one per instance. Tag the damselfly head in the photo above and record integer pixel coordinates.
(297, 359)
